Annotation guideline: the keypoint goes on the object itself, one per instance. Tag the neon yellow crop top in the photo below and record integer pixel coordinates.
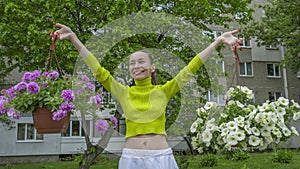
(144, 104)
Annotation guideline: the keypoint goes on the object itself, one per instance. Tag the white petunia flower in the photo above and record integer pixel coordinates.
(296, 115)
(295, 104)
(294, 131)
(263, 107)
(286, 132)
(199, 120)
(252, 114)
(240, 135)
(239, 104)
(255, 131)
(265, 131)
(209, 105)
(260, 117)
(232, 139)
(281, 111)
(232, 125)
(200, 111)
(283, 101)
(254, 141)
(194, 126)
(206, 136)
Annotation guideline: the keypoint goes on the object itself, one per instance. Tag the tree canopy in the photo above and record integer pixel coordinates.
(279, 25)
(25, 24)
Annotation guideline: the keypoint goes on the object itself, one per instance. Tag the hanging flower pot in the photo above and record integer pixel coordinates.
(44, 123)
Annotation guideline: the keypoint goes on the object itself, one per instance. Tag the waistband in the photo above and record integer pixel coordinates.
(141, 153)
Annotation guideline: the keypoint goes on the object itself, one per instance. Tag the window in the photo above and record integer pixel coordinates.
(107, 98)
(213, 34)
(75, 129)
(273, 96)
(246, 43)
(273, 70)
(246, 69)
(211, 97)
(298, 74)
(27, 131)
(221, 64)
(271, 47)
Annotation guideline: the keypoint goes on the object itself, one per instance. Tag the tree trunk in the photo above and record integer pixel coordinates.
(93, 151)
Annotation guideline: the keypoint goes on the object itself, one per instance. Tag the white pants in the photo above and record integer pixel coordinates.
(147, 159)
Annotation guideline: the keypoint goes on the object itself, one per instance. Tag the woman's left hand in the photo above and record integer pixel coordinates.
(230, 40)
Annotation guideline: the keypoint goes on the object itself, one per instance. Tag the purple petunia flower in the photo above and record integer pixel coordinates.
(44, 85)
(68, 95)
(91, 86)
(97, 99)
(59, 115)
(27, 77)
(20, 86)
(45, 74)
(85, 78)
(11, 112)
(65, 106)
(101, 125)
(53, 75)
(10, 93)
(3, 101)
(35, 74)
(115, 120)
(33, 87)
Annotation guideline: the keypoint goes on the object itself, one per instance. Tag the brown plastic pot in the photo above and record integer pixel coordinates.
(44, 124)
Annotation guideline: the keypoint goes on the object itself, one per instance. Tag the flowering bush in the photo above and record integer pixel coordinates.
(242, 124)
(49, 89)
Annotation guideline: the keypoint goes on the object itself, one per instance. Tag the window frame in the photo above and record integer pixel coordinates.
(218, 98)
(35, 134)
(81, 134)
(274, 95)
(245, 69)
(274, 70)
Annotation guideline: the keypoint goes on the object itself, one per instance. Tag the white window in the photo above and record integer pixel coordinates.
(298, 74)
(271, 47)
(246, 69)
(273, 70)
(211, 97)
(107, 98)
(273, 96)
(221, 64)
(240, 15)
(246, 43)
(75, 129)
(213, 34)
(27, 132)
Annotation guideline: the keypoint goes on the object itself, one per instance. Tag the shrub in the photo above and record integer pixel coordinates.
(208, 160)
(240, 156)
(282, 156)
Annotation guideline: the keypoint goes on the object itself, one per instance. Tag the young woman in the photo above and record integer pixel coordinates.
(144, 103)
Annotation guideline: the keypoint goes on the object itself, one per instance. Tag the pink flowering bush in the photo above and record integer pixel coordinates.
(58, 93)
(38, 89)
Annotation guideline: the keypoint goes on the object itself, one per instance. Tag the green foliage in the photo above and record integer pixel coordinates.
(282, 156)
(240, 156)
(279, 25)
(208, 160)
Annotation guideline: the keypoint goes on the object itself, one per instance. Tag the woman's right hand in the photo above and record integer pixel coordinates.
(64, 32)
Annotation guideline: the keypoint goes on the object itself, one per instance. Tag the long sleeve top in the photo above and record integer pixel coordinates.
(144, 104)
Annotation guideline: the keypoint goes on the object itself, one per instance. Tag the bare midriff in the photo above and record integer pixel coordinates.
(147, 142)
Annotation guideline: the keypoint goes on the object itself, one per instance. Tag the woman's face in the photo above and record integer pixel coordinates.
(140, 66)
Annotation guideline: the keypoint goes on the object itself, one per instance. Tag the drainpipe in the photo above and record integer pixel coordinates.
(286, 91)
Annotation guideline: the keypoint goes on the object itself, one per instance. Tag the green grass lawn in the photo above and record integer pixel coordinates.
(256, 161)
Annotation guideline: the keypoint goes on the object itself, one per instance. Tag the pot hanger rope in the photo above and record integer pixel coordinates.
(237, 66)
(51, 53)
